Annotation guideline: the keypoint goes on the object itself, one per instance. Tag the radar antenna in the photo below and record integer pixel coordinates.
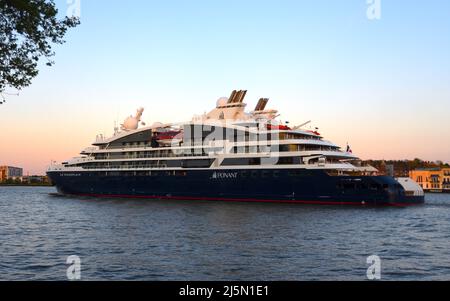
(302, 125)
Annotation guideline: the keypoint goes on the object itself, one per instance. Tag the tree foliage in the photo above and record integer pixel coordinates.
(28, 29)
(402, 167)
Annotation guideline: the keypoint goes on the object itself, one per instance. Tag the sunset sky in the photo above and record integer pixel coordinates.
(382, 85)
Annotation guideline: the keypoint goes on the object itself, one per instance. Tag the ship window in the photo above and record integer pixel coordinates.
(349, 186)
(295, 173)
(285, 160)
(174, 163)
(363, 186)
(264, 148)
(284, 148)
(288, 160)
(240, 150)
(204, 163)
(374, 186)
(241, 161)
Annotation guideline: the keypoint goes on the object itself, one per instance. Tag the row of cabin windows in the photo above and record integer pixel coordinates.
(141, 143)
(364, 186)
(202, 132)
(194, 163)
(260, 174)
(204, 163)
(199, 133)
(196, 134)
(249, 137)
(127, 145)
(180, 173)
(274, 173)
(280, 148)
(262, 161)
(158, 154)
(142, 155)
(202, 152)
(177, 173)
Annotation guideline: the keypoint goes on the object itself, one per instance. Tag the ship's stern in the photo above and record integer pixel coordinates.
(413, 192)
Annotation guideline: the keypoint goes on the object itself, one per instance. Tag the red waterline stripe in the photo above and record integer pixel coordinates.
(240, 200)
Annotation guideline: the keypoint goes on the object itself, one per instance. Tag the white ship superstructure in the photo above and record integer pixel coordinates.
(226, 143)
(235, 135)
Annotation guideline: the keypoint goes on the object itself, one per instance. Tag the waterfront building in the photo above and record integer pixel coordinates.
(35, 179)
(10, 173)
(432, 179)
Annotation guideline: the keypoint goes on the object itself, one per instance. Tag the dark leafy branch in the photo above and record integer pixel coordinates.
(28, 29)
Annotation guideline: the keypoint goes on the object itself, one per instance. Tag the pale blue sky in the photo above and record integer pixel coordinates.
(381, 85)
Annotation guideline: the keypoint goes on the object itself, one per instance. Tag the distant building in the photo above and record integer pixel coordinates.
(432, 179)
(36, 179)
(10, 173)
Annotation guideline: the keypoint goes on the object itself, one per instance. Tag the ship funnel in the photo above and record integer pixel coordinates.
(237, 96)
(242, 96)
(232, 96)
(261, 105)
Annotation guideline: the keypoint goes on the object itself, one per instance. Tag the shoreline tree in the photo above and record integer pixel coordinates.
(28, 30)
(402, 167)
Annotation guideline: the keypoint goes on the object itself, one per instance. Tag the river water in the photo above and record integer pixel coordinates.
(119, 239)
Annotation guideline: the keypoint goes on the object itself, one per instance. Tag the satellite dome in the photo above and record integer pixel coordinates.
(131, 123)
(222, 101)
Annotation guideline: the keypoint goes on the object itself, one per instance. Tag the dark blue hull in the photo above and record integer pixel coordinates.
(260, 185)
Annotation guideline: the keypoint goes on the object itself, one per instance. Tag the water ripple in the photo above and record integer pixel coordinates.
(178, 240)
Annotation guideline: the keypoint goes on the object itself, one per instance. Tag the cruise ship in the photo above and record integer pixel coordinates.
(228, 154)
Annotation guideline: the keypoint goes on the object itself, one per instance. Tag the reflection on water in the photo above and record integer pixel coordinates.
(190, 240)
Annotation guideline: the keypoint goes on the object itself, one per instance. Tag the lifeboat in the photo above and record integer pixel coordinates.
(314, 132)
(169, 137)
(273, 127)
